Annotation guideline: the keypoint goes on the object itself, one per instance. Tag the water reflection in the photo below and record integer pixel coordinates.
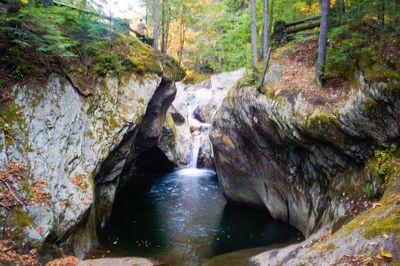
(184, 219)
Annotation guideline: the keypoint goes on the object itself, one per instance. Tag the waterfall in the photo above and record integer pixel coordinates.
(196, 143)
(195, 152)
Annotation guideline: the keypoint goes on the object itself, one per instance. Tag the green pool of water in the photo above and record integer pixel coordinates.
(182, 218)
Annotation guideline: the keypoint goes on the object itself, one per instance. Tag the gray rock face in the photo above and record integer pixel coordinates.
(302, 166)
(274, 74)
(67, 140)
(3, 155)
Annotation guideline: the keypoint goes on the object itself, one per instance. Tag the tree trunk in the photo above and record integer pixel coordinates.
(155, 27)
(381, 18)
(253, 29)
(340, 8)
(323, 38)
(265, 41)
(163, 19)
(182, 32)
(147, 13)
(167, 22)
(271, 16)
(261, 50)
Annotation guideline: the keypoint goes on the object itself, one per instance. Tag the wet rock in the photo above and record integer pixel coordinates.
(129, 261)
(205, 99)
(268, 152)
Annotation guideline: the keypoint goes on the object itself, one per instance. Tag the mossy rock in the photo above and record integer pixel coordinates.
(137, 56)
(385, 217)
(10, 116)
(325, 125)
(172, 71)
(17, 221)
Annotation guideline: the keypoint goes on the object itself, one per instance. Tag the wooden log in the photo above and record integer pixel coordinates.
(303, 28)
(301, 21)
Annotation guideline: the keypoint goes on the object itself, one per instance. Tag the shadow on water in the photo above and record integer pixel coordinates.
(182, 218)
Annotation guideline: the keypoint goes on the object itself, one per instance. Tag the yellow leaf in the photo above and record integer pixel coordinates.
(25, 1)
(386, 255)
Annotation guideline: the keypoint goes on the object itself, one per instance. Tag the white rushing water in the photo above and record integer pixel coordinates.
(197, 136)
(195, 152)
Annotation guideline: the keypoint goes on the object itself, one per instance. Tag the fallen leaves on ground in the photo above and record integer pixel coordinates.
(18, 189)
(67, 261)
(10, 253)
(299, 76)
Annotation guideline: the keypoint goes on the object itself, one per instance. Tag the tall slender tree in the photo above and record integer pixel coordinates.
(155, 26)
(165, 21)
(265, 41)
(381, 18)
(340, 7)
(253, 29)
(323, 39)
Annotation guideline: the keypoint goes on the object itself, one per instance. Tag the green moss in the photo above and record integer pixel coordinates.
(169, 121)
(330, 246)
(140, 100)
(138, 115)
(10, 116)
(246, 81)
(137, 63)
(19, 218)
(89, 134)
(388, 225)
(269, 92)
(36, 100)
(325, 125)
(26, 187)
(113, 123)
(139, 58)
(172, 71)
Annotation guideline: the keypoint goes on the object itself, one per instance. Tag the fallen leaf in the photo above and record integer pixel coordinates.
(386, 255)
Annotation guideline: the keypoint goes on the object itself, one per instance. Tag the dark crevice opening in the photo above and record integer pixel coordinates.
(154, 161)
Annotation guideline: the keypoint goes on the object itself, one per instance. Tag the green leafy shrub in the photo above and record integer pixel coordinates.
(383, 158)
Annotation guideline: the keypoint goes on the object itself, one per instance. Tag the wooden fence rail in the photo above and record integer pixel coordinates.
(282, 29)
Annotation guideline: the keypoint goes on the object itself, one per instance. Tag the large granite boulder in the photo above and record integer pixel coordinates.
(305, 167)
(79, 150)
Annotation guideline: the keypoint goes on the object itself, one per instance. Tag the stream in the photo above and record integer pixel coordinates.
(182, 218)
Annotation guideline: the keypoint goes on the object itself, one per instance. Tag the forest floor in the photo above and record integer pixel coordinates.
(298, 62)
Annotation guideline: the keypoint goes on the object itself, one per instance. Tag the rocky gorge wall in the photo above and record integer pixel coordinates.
(305, 166)
(79, 149)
